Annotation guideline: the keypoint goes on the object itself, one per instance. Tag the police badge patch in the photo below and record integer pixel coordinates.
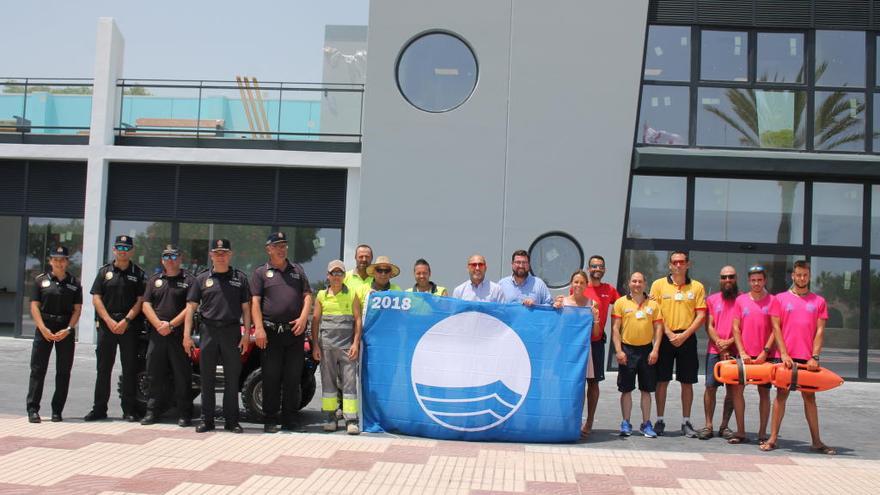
(108, 275)
(158, 283)
(209, 282)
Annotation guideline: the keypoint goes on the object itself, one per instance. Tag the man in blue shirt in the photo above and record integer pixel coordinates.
(477, 288)
(522, 286)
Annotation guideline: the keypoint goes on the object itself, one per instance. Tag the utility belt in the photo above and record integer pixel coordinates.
(277, 327)
(47, 317)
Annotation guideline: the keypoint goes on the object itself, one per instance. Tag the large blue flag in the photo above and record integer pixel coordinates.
(444, 368)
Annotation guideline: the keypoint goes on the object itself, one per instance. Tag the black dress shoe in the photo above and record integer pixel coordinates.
(182, 422)
(94, 416)
(56, 418)
(270, 428)
(295, 426)
(234, 428)
(149, 418)
(34, 417)
(205, 427)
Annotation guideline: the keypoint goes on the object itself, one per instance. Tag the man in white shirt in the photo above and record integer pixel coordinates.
(477, 288)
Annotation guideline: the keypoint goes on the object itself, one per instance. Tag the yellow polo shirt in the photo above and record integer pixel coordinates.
(679, 303)
(637, 320)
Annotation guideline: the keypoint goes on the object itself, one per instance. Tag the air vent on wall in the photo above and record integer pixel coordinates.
(788, 13)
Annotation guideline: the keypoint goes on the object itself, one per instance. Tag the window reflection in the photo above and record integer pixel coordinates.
(248, 244)
(781, 57)
(668, 55)
(840, 121)
(150, 239)
(724, 56)
(840, 58)
(749, 210)
(657, 207)
(313, 248)
(837, 214)
(874, 330)
(437, 72)
(838, 281)
(663, 118)
(875, 220)
(745, 118)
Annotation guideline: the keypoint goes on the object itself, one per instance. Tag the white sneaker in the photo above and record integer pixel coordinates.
(352, 428)
(331, 423)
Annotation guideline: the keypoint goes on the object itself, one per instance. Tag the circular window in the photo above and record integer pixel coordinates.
(554, 257)
(436, 72)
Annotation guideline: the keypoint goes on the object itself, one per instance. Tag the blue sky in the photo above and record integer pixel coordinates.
(182, 39)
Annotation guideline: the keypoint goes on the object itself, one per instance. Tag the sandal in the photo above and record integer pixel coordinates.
(767, 446)
(725, 433)
(705, 434)
(735, 440)
(823, 449)
(585, 432)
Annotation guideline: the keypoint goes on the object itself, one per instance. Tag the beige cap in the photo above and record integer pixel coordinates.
(335, 265)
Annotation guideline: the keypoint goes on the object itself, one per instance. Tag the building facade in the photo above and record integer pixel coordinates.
(741, 131)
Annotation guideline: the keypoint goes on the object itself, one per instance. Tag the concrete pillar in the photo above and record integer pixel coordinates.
(350, 238)
(105, 107)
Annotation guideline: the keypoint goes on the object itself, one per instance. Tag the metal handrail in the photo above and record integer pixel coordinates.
(27, 82)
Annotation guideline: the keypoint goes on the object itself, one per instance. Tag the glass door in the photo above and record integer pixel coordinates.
(10, 230)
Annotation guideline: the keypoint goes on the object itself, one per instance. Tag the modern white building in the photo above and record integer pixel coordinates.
(741, 131)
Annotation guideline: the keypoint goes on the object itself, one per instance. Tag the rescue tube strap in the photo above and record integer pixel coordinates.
(794, 379)
(742, 371)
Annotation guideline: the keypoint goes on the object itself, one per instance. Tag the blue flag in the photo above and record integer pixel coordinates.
(445, 368)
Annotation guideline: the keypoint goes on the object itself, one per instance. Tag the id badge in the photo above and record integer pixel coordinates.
(640, 315)
(679, 297)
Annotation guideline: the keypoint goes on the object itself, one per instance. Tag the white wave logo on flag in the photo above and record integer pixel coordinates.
(470, 372)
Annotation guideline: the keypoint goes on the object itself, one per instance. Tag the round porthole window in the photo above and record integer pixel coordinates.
(554, 257)
(436, 72)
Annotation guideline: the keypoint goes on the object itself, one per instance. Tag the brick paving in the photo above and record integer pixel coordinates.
(116, 457)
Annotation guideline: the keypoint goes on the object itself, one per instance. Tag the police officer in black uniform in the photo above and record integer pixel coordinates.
(223, 298)
(281, 304)
(165, 310)
(118, 294)
(56, 302)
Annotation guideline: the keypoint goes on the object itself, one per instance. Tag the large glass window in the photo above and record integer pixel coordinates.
(150, 239)
(840, 121)
(840, 58)
(663, 118)
(314, 248)
(437, 72)
(780, 57)
(749, 210)
(657, 207)
(651, 264)
(10, 232)
(837, 214)
(838, 281)
(875, 220)
(724, 56)
(734, 117)
(874, 312)
(248, 244)
(668, 56)
(43, 235)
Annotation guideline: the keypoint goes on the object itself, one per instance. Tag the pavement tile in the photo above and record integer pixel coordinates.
(552, 488)
(650, 477)
(598, 484)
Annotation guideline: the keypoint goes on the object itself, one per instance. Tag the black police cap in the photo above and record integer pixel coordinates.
(59, 252)
(170, 249)
(276, 237)
(221, 245)
(124, 240)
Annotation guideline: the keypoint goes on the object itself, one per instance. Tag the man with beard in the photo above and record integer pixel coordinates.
(798, 318)
(358, 277)
(523, 287)
(721, 346)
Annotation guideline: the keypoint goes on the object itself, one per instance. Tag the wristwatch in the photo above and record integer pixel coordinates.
(766, 350)
(815, 357)
(127, 319)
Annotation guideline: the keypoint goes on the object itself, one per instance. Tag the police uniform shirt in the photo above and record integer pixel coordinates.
(57, 297)
(167, 294)
(119, 289)
(281, 291)
(220, 294)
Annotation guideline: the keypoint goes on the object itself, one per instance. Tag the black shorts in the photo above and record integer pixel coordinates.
(684, 358)
(637, 366)
(597, 351)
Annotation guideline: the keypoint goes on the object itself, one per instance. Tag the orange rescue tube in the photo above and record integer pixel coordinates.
(735, 372)
(800, 378)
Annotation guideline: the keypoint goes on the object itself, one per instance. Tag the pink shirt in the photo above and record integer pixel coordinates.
(721, 311)
(754, 322)
(798, 317)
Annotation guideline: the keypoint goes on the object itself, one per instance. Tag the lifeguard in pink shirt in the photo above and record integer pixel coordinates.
(753, 334)
(798, 318)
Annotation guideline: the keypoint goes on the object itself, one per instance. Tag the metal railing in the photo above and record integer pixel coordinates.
(244, 109)
(45, 105)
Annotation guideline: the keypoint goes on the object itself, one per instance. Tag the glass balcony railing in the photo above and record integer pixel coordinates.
(244, 109)
(45, 106)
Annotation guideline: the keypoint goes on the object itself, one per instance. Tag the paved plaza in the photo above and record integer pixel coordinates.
(118, 457)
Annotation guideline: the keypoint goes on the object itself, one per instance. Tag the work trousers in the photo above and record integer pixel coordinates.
(105, 352)
(164, 352)
(40, 352)
(338, 373)
(282, 362)
(219, 344)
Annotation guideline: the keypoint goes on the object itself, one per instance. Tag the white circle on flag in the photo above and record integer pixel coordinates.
(470, 372)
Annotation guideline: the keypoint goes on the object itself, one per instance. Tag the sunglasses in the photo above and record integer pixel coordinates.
(122, 248)
(171, 257)
(477, 265)
(728, 277)
(337, 273)
(679, 262)
(597, 266)
(383, 270)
